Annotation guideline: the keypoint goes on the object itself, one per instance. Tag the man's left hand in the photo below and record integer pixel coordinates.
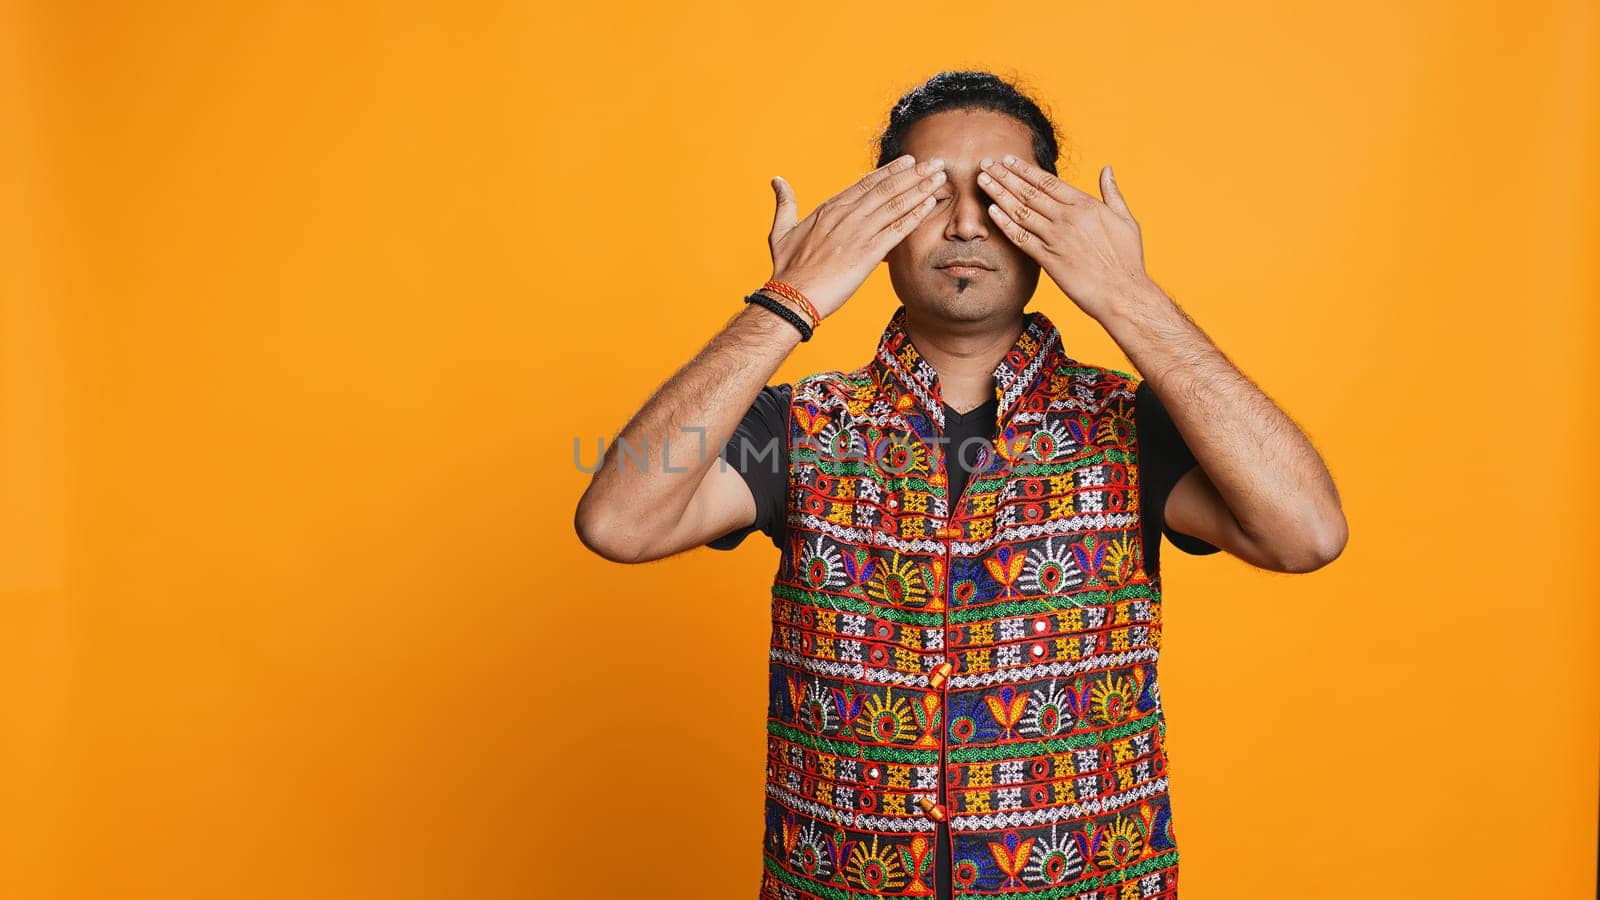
(1091, 249)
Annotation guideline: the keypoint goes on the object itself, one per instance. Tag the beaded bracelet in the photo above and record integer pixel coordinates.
(792, 317)
(789, 291)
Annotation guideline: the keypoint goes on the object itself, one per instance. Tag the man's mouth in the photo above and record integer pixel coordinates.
(965, 268)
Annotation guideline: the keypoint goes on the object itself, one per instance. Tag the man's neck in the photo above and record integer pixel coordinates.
(964, 354)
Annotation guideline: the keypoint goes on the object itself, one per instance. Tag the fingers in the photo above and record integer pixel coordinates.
(896, 231)
(865, 185)
(1014, 172)
(899, 192)
(1027, 241)
(1025, 200)
(1014, 206)
(909, 204)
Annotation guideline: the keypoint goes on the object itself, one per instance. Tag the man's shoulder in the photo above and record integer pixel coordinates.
(834, 383)
(1091, 372)
(1093, 385)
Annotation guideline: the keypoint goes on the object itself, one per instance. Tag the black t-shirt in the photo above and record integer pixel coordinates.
(763, 438)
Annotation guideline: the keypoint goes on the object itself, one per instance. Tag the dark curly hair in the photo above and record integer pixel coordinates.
(969, 90)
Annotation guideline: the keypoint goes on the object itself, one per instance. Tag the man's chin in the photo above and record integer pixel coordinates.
(968, 306)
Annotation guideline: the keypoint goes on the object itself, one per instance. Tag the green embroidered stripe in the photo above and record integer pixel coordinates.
(881, 753)
(847, 603)
(830, 465)
(1056, 745)
(1041, 605)
(964, 614)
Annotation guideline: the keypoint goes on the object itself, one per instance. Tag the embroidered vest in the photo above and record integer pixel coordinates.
(987, 662)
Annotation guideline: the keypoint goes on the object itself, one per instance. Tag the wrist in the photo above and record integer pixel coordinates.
(796, 298)
(799, 321)
(1135, 301)
(797, 308)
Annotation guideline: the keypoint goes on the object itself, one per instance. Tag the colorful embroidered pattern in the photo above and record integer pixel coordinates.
(1043, 736)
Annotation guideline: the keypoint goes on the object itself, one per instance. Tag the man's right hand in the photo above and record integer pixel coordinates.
(829, 254)
(634, 513)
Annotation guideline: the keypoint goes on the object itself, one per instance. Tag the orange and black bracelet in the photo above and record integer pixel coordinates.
(789, 315)
(789, 291)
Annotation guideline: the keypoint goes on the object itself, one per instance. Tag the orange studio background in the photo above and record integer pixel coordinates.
(302, 306)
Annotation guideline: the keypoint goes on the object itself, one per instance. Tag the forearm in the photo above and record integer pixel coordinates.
(652, 468)
(1262, 464)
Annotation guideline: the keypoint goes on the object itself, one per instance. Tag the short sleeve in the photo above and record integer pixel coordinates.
(1164, 458)
(759, 450)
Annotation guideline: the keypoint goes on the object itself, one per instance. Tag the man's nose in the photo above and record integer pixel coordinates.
(970, 219)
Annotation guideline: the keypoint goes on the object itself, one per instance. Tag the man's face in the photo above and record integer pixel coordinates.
(959, 227)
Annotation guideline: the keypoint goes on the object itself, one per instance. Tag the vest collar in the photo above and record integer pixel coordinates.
(910, 383)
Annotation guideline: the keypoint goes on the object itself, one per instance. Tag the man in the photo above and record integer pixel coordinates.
(963, 693)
